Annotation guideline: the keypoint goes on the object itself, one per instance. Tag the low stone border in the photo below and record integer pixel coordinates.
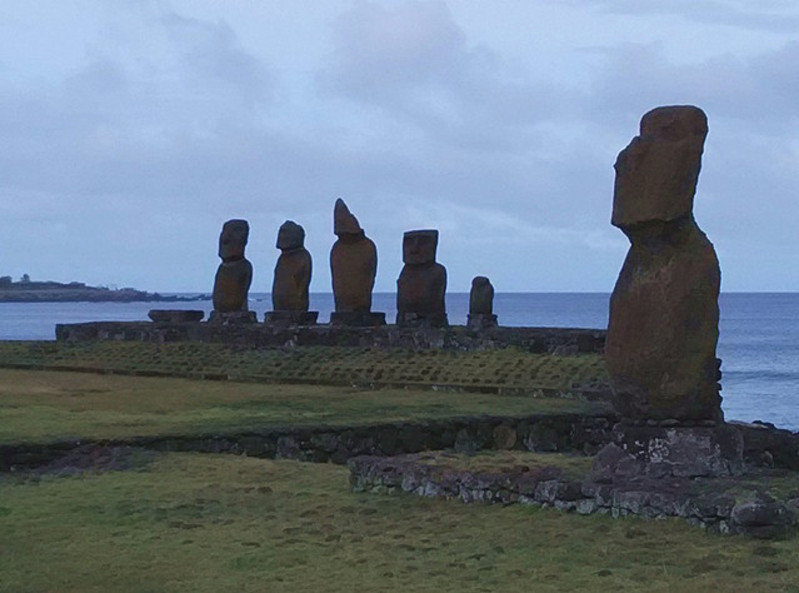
(540, 432)
(702, 502)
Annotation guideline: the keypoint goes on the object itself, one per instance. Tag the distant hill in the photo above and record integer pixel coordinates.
(28, 291)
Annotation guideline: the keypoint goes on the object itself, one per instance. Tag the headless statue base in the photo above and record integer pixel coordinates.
(232, 317)
(357, 318)
(481, 321)
(422, 320)
(284, 318)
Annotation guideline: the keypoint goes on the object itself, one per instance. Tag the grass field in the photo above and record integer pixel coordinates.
(42, 406)
(209, 523)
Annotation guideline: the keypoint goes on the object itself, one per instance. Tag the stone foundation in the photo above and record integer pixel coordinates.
(659, 452)
(711, 503)
(289, 318)
(561, 341)
(481, 322)
(232, 317)
(357, 318)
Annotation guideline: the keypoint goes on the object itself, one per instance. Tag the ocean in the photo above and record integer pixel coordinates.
(758, 341)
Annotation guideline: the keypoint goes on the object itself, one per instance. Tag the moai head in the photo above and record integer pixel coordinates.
(233, 239)
(290, 236)
(656, 173)
(419, 247)
(344, 222)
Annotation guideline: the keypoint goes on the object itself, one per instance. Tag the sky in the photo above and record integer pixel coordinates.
(132, 129)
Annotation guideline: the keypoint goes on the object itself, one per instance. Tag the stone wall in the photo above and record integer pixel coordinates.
(538, 340)
(541, 432)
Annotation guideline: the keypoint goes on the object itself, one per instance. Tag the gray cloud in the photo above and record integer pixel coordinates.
(768, 15)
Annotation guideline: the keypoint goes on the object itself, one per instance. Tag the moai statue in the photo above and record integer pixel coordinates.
(481, 305)
(292, 279)
(422, 283)
(353, 265)
(663, 328)
(233, 276)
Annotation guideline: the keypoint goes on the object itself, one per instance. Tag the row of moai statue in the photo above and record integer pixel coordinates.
(421, 286)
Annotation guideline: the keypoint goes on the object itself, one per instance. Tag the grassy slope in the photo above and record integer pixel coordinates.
(207, 523)
(41, 406)
(507, 368)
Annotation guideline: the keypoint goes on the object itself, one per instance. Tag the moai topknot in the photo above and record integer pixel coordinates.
(422, 283)
(353, 265)
(292, 278)
(234, 275)
(481, 304)
(664, 314)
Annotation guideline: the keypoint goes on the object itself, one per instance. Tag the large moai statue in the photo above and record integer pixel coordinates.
(353, 266)
(481, 305)
(422, 284)
(233, 276)
(664, 314)
(292, 278)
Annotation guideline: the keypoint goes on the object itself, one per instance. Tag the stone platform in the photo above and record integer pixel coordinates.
(562, 341)
(723, 505)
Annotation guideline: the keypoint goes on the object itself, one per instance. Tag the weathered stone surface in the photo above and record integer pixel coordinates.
(659, 452)
(762, 517)
(175, 315)
(234, 275)
(227, 318)
(353, 263)
(289, 318)
(293, 270)
(663, 327)
(422, 284)
(357, 318)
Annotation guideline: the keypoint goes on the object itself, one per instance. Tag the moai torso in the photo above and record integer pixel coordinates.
(234, 274)
(353, 263)
(481, 297)
(422, 284)
(293, 270)
(663, 326)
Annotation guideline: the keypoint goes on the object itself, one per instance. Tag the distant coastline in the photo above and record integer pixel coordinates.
(31, 291)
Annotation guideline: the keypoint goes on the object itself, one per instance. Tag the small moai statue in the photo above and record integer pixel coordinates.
(422, 284)
(292, 279)
(353, 266)
(663, 327)
(233, 276)
(481, 305)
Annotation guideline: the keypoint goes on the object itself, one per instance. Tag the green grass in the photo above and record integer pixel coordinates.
(510, 369)
(209, 523)
(42, 406)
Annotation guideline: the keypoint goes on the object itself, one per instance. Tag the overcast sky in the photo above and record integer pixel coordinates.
(131, 130)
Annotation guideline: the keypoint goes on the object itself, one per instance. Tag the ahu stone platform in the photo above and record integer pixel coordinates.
(544, 340)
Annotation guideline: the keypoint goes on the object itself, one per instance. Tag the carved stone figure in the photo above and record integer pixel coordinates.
(353, 265)
(234, 275)
(481, 304)
(663, 327)
(292, 277)
(422, 283)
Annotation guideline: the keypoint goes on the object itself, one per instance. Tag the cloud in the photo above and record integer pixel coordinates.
(413, 63)
(767, 15)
